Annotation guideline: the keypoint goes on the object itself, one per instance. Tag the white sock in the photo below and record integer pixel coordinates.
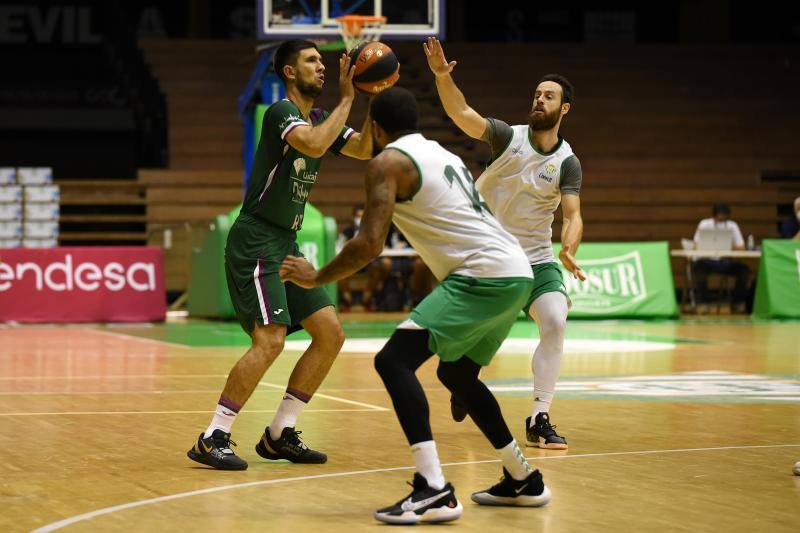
(427, 461)
(550, 313)
(514, 462)
(223, 417)
(291, 406)
(541, 403)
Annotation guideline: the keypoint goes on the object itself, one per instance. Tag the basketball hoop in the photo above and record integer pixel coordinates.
(356, 29)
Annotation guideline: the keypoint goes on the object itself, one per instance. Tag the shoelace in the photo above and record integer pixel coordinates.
(548, 428)
(294, 438)
(225, 443)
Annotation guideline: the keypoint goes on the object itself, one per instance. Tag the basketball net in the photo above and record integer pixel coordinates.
(356, 29)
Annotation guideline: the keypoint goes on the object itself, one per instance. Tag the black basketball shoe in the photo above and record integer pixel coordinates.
(424, 504)
(215, 451)
(288, 446)
(530, 492)
(542, 434)
(457, 409)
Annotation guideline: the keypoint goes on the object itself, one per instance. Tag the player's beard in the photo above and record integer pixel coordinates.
(544, 121)
(309, 89)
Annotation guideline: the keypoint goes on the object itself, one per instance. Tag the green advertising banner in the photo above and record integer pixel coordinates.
(258, 116)
(630, 279)
(778, 285)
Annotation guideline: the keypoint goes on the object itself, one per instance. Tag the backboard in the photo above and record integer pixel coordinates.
(297, 19)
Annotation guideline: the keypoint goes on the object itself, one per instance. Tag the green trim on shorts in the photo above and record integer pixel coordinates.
(547, 277)
(471, 317)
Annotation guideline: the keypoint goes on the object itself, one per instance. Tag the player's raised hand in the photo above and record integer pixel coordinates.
(436, 60)
(570, 264)
(298, 271)
(346, 71)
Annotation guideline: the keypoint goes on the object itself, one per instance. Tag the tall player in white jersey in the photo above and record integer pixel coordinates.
(484, 280)
(533, 169)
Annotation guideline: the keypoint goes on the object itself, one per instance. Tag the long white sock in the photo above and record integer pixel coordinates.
(223, 417)
(550, 313)
(514, 462)
(291, 406)
(541, 402)
(427, 461)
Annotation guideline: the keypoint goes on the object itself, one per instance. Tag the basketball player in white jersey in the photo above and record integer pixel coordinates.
(484, 280)
(533, 169)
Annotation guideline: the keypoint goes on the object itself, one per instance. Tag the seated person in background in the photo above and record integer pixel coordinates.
(422, 279)
(380, 269)
(373, 270)
(725, 266)
(790, 227)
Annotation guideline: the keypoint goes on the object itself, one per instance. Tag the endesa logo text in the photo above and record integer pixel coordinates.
(72, 275)
(82, 284)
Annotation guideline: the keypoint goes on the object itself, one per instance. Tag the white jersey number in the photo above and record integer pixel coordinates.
(467, 186)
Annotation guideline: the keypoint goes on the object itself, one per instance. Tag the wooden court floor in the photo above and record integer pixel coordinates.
(672, 426)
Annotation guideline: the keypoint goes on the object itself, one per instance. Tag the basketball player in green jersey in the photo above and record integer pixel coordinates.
(533, 169)
(294, 138)
(485, 278)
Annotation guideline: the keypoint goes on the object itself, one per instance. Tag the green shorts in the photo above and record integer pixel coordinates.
(547, 277)
(253, 255)
(471, 316)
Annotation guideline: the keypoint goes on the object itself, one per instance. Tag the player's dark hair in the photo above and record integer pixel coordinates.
(287, 53)
(358, 207)
(722, 209)
(396, 111)
(567, 90)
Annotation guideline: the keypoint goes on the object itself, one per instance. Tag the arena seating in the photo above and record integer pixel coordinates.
(662, 132)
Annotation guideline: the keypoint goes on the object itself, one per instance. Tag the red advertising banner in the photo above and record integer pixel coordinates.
(82, 284)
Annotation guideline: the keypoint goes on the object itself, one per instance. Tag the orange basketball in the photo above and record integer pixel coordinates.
(376, 65)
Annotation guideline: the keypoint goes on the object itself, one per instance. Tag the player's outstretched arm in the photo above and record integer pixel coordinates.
(455, 105)
(314, 141)
(381, 185)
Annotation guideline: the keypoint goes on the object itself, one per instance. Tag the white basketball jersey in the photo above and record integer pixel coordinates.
(448, 223)
(522, 188)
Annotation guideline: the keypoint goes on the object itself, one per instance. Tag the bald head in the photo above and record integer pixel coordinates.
(797, 205)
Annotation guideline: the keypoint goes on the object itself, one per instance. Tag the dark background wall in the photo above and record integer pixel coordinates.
(654, 21)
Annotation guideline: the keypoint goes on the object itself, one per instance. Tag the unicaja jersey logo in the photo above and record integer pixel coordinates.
(301, 173)
(613, 284)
